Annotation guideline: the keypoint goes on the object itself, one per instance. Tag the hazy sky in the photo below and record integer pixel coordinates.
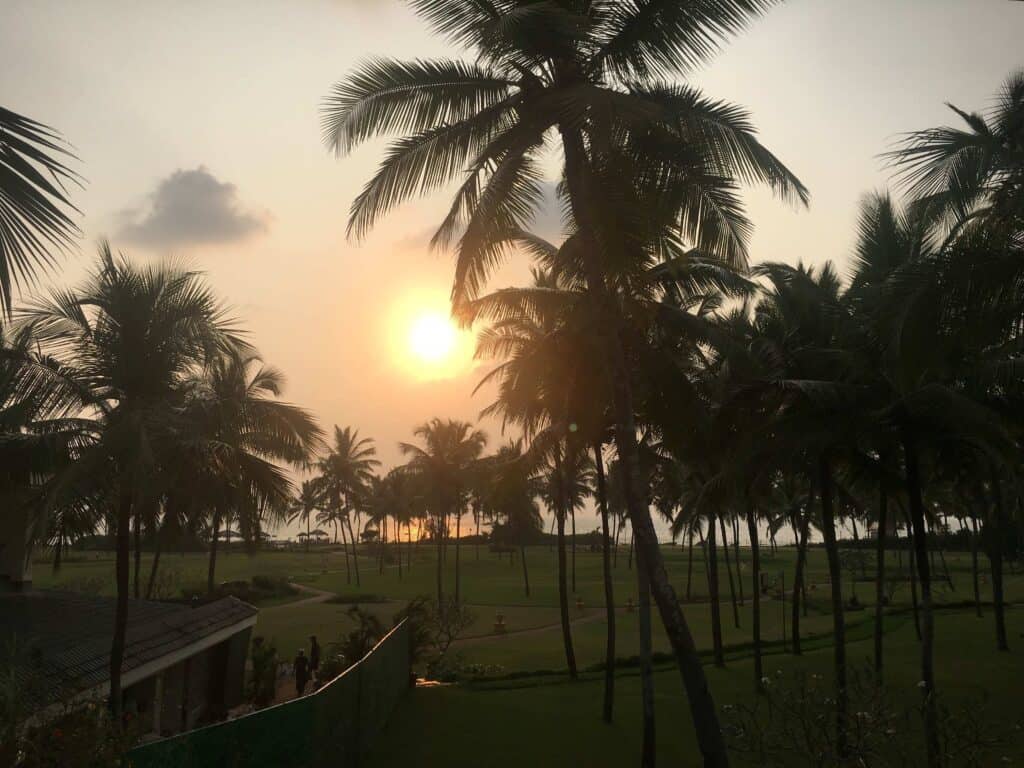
(198, 131)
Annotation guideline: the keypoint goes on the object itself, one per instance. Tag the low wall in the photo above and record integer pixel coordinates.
(331, 727)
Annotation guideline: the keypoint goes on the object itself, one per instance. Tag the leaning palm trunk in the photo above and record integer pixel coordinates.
(931, 714)
(755, 567)
(563, 587)
(646, 672)
(728, 570)
(716, 606)
(609, 597)
(123, 540)
(828, 529)
(883, 521)
(702, 705)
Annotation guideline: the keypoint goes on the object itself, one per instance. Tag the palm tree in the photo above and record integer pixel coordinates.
(972, 172)
(35, 210)
(305, 505)
(129, 337)
(241, 432)
(513, 493)
(444, 465)
(589, 73)
(345, 473)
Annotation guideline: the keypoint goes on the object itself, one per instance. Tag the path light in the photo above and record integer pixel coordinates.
(499, 624)
(579, 603)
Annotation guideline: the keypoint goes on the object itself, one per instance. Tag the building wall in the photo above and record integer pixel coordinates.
(192, 692)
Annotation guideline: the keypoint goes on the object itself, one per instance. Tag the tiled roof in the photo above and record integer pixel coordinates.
(61, 640)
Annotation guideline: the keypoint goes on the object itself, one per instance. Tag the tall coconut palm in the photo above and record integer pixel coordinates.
(305, 506)
(444, 464)
(513, 497)
(345, 473)
(130, 337)
(36, 213)
(243, 433)
(586, 74)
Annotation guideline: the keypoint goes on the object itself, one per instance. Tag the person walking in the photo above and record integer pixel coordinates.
(301, 672)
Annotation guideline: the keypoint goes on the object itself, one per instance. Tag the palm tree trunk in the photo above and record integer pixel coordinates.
(736, 550)
(308, 512)
(59, 548)
(157, 548)
(995, 556)
(441, 518)
(931, 714)
(755, 567)
(630, 564)
(563, 587)
(702, 706)
(728, 570)
(609, 597)
(883, 521)
(974, 566)
(615, 539)
(646, 672)
(716, 606)
(355, 552)
(123, 541)
(138, 551)
(913, 586)
(526, 575)
(828, 529)
(689, 564)
(798, 577)
(476, 545)
(398, 545)
(212, 569)
(344, 546)
(572, 515)
(458, 540)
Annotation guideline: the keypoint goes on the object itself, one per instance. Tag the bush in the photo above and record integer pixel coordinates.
(263, 678)
(793, 724)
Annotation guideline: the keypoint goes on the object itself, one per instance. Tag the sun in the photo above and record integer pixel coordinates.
(432, 337)
(424, 342)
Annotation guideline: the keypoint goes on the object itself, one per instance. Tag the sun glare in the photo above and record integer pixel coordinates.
(432, 337)
(426, 342)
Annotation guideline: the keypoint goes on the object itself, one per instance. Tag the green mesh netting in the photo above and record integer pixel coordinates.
(330, 727)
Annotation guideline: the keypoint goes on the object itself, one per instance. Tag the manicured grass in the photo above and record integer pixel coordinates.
(550, 721)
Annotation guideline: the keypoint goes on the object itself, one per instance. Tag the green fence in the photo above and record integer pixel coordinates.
(331, 727)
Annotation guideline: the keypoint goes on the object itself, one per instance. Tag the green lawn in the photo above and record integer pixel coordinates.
(512, 723)
(554, 722)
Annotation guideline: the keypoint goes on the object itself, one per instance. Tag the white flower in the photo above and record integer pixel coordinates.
(922, 684)
(765, 680)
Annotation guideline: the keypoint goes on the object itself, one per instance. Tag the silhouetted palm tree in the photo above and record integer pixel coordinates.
(35, 210)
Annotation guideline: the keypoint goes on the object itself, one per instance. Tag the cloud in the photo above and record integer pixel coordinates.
(191, 207)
